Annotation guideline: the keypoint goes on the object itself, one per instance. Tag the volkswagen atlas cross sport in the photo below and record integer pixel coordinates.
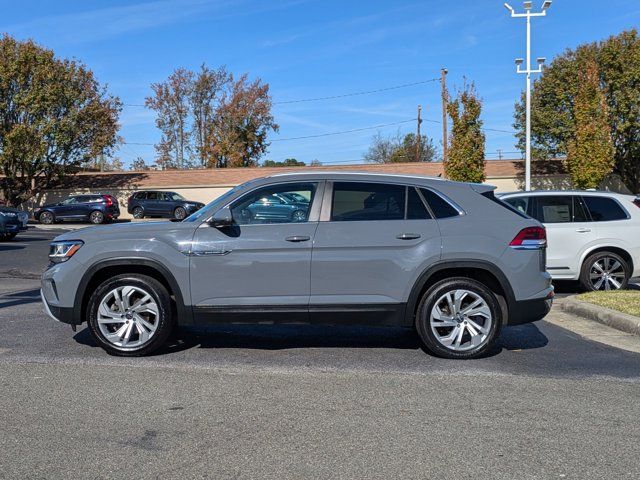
(445, 258)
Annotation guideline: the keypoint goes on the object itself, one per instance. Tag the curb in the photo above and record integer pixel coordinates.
(618, 320)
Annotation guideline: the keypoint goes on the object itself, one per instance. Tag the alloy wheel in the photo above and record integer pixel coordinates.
(299, 216)
(138, 212)
(128, 317)
(461, 320)
(180, 213)
(97, 217)
(46, 218)
(606, 273)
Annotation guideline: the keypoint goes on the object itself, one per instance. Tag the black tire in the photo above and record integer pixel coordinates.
(96, 217)
(138, 213)
(46, 218)
(427, 303)
(5, 237)
(162, 299)
(179, 213)
(590, 275)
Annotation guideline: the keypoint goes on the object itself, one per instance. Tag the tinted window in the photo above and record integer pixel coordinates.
(152, 195)
(604, 209)
(554, 209)
(519, 203)
(267, 205)
(439, 206)
(140, 195)
(84, 199)
(580, 210)
(70, 201)
(415, 206)
(367, 201)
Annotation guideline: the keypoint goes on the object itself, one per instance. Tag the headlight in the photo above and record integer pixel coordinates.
(8, 214)
(189, 205)
(62, 251)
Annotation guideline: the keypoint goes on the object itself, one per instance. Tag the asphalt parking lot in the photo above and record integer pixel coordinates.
(557, 399)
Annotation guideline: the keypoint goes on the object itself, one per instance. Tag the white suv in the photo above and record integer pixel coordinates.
(593, 237)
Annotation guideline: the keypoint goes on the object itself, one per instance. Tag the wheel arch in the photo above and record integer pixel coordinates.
(484, 272)
(100, 271)
(612, 249)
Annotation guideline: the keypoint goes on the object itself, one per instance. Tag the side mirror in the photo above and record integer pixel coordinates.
(222, 218)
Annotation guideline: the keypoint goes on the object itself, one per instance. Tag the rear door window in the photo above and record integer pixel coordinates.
(152, 195)
(603, 209)
(354, 201)
(554, 208)
(520, 203)
(416, 209)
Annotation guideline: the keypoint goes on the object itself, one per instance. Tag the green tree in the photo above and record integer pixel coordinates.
(590, 149)
(54, 118)
(289, 162)
(553, 116)
(465, 155)
(400, 149)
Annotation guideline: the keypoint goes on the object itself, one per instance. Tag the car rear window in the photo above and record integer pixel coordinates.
(439, 206)
(603, 209)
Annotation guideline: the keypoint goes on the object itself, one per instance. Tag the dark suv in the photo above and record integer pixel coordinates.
(161, 204)
(12, 221)
(445, 258)
(94, 208)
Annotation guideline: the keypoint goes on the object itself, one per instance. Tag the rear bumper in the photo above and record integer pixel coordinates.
(527, 311)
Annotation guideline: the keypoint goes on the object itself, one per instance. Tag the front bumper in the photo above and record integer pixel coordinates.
(59, 314)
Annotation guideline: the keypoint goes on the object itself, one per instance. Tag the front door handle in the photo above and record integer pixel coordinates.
(583, 230)
(408, 236)
(298, 238)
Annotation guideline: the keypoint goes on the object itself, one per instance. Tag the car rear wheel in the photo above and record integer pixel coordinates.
(96, 217)
(138, 213)
(130, 315)
(4, 237)
(459, 318)
(47, 218)
(299, 216)
(180, 213)
(605, 271)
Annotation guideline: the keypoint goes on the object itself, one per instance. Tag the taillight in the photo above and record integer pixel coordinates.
(130, 199)
(530, 238)
(637, 201)
(108, 200)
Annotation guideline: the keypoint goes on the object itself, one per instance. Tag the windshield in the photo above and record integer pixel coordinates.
(218, 202)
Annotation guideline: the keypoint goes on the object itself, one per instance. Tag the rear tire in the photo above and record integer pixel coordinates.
(459, 318)
(5, 237)
(149, 324)
(96, 217)
(605, 271)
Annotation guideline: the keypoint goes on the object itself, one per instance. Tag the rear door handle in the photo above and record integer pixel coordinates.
(583, 230)
(408, 236)
(298, 238)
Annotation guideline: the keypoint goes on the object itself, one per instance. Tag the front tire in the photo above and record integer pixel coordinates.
(5, 237)
(179, 213)
(459, 318)
(605, 271)
(130, 315)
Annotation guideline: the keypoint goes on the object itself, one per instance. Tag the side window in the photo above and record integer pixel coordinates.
(580, 210)
(70, 201)
(604, 209)
(439, 206)
(353, 201)
(519, 203)
(141, 195)
(83, 199)
(283, 203)
(152, 195)
(416, 209)
(555, 209)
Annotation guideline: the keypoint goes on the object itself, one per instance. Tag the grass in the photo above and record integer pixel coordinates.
(625, 301)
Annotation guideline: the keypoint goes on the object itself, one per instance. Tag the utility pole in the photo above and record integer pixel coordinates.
(499, 154)
(445, 100)
(519, 61)
(418, 138)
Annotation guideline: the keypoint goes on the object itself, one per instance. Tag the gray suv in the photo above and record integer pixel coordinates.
(445, 258)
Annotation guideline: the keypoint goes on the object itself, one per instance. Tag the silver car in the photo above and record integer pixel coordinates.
(445, 258)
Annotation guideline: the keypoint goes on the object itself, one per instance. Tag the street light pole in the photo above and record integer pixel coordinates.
(519, 61)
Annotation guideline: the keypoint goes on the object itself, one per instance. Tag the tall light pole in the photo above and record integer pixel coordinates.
(528, 71)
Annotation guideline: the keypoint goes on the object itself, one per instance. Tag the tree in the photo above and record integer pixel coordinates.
(238, 135)
(289, 162)
(316, 163)
(590, 149)
(139, 164)
(554, 96)
(170, 100)
(399, 149)
(465, 156)
(54, 118)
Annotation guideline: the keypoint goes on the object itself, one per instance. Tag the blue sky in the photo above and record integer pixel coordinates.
(313, 48)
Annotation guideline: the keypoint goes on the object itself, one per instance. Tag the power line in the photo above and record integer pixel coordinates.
(344, 131)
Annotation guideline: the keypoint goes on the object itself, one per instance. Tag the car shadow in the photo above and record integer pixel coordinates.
(4, 247)
(283, 337)
(19, 298)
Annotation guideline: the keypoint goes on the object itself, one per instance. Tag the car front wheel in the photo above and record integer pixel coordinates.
(605, 271)
(130, 315)
(180, 213)
(459, 318)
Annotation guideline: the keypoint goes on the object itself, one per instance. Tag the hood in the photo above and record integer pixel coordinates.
(9, 210)
(130, 230)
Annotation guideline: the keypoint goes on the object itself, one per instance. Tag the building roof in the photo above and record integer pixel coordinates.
(221, 177)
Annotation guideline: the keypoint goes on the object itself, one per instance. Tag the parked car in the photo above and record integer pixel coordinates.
(12, 221)
(277, 207)
(594, 237)
(445, 258)
(148, 203)
(93, 208)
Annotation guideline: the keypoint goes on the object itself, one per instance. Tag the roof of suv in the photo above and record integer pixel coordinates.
(599, 193)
